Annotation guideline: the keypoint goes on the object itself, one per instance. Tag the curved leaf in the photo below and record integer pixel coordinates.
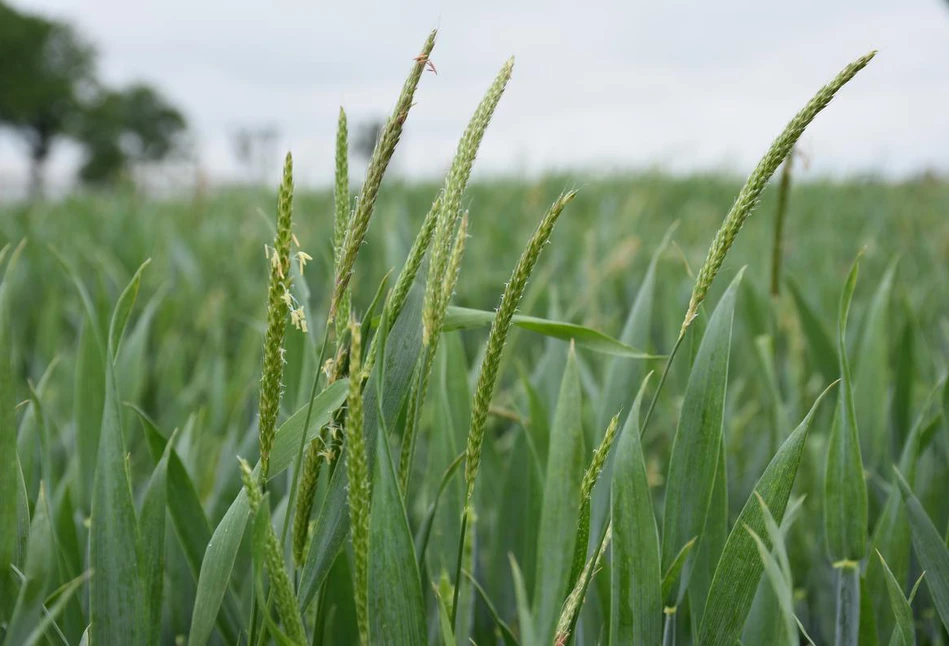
(218, 561)
(739, 569)
(123, 309)
(900, 606)
(463, 318)
(931, 551)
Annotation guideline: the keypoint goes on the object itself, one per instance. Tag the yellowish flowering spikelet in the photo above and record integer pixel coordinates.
(272, 371)
(302, 258)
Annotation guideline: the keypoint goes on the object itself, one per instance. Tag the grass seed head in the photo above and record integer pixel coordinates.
(273, 557)
(381, 155)
(497, 337)
(599, 459)
(341, 217)
(312, 465)
(450, 204)
(279, 289)
(750, 194)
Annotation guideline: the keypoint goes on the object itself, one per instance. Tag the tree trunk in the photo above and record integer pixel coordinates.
(39, 153)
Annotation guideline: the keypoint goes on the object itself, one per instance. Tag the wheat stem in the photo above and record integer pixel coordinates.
(784, 188)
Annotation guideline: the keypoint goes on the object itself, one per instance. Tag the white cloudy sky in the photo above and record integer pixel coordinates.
(622, 84)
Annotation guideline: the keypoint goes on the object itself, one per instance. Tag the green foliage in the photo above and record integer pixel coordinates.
(845, 490)
(635, 572)
(91, 476)
(560, 514)
(122, 128)
(698, 440)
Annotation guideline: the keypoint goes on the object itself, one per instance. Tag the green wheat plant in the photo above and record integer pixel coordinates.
(445, 442)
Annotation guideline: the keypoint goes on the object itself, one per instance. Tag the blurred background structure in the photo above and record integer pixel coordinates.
(678, 86)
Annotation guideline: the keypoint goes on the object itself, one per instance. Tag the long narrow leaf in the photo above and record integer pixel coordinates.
(40, 560)
(739, 569)
(66, 593)
(781, 589)
(8, 460)
(845, 488)
(931, 550)
(463, 318)
(636, 614)
(557, 533)
(152, 527)
(117, 604)
(900, 606)
(698, 437)
(872, 375)
(396, 606)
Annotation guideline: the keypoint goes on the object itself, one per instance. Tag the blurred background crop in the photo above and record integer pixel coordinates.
(156, 130)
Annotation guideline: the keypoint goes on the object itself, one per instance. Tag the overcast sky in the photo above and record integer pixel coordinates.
(626, 84)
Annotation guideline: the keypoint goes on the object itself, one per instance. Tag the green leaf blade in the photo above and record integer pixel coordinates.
(931, 550)
(739, 569)
(396, 606)
(845, 488)
(9, 468)
(464, 318)
(557, 535)
(152, 529)
(698, 439)
(40, 560)
(636, 614)
(899, 605)
(117, 602)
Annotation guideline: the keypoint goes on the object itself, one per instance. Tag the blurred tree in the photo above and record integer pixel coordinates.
(44, 69)
(256, 150)
(120, 129)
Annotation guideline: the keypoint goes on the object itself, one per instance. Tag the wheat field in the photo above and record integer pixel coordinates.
(635, 409)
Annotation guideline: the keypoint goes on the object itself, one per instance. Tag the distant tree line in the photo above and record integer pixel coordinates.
(49, 91)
